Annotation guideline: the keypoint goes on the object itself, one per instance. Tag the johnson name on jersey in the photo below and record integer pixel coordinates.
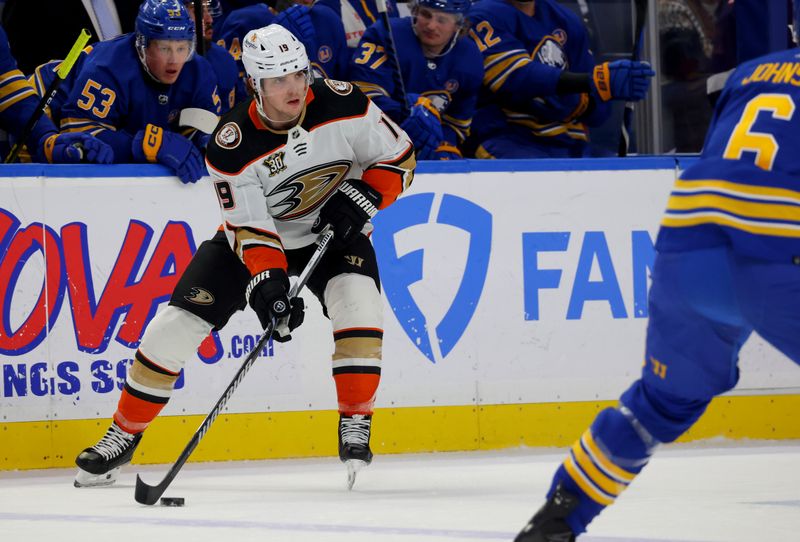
(745, 189)
(451, 81)
(341, 134)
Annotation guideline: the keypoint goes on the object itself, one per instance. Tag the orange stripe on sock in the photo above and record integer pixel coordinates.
(134, 414)
(356, 392)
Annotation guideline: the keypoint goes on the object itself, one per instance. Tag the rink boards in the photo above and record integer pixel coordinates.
(515, 308)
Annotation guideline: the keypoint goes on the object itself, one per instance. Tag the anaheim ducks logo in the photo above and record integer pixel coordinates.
(305, 191)
(199, 296)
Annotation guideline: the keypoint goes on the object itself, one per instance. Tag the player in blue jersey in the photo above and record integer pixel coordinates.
(230, 86)
(441, 70)
(541, 88)
(131, 92)
(317, 27)
(19, 101)
(357, 16)
(727, 264)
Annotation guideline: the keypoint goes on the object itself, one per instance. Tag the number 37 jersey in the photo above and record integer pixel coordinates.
(745, 189)
(271, 184)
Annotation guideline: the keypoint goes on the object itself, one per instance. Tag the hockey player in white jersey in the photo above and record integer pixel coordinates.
(299, 156)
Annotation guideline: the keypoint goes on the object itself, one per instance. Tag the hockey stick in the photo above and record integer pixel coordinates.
(50, 93)
(199, 30)
(147, 494)
(391, 50)
(627, 115)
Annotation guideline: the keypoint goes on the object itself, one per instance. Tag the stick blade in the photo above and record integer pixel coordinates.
(147, 494)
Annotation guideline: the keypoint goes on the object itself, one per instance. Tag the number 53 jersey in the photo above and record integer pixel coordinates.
(745, 189)
(271, 184)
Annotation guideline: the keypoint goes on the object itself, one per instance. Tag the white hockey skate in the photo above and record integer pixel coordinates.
(354, 451)
(99, 465)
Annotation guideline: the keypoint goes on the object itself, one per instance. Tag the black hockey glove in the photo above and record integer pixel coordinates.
(267, 294)
(347, 210)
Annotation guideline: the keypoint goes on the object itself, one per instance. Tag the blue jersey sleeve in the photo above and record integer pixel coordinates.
(236, 27)
(230, 86)
(509, 72)
(97, 104)
(332, 55)
(44, 75)
(18, 99)
(373, 71)
(457, 117)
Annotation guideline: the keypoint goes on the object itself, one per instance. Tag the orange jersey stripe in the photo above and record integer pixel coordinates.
(259, 258)
(391, 178)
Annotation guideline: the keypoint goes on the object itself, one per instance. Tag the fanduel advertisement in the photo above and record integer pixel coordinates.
(499, 288)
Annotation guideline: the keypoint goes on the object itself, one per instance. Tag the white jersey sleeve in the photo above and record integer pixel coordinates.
(385, 153)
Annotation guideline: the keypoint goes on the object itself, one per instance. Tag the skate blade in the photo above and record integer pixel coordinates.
(353, 466)
(87, 479)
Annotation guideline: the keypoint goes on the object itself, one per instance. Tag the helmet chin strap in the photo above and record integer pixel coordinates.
(141, 53)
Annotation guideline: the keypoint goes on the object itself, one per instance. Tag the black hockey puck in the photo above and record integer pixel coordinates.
(172, 501)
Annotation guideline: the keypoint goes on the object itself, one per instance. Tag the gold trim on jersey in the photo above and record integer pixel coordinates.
(499, 66)
(575, 130)
(14, 89)
(85, 125)
(460, 126)
(247, 237)
(371, 90)
(755, 209)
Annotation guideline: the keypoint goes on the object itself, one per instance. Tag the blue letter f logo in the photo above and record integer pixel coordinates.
(398, 274)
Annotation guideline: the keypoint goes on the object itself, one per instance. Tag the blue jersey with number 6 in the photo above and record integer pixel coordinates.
(745, 189)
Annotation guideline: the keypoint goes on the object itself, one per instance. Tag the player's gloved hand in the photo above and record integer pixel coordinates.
(297, 20)
(71, 148)
(154, 144)
(446, 151)
(347, 211)
(424, 128)
(267, 294)
(622, 80)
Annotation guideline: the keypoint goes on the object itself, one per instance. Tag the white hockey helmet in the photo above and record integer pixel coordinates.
(271, 52)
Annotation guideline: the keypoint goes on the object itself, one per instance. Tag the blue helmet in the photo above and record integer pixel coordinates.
(164, 20)
(796, 21)
(459, 7)
(215, 8)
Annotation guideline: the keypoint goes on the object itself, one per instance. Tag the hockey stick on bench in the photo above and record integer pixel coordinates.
(147, 494)
(44, 102)
(391, 51)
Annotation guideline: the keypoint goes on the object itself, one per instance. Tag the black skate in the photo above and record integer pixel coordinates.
(99, 465)
(354, 432)
(549, 523)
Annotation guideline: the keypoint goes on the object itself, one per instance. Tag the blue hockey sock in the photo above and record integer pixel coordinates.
(602, 463)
